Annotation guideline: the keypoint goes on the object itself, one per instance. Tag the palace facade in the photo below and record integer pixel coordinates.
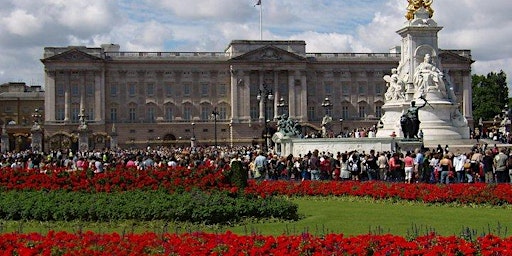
(173, 98)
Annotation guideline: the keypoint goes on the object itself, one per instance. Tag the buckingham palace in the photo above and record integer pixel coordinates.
(218, 98)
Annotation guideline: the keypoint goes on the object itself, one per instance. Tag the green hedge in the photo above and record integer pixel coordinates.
(195, 206)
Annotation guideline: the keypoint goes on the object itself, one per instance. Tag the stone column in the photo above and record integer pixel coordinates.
(275, 89)
(467, 96)
(291, 94)
(246, 96)
(4, 140)
(67, 105)
(49, 96)
(234, 95)
(99, 95)
(303, 97)
(262, 111)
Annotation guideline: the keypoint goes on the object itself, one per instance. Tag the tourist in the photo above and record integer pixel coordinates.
(314, 165)
(261, 163)
(344, 169)
(445, 166)
(458, 163)
(409, 166)
(488, 166)
(372, 166)
(382, 162)
(500, 166)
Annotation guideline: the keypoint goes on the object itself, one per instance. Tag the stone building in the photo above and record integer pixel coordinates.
(173, 98)
(18, 103)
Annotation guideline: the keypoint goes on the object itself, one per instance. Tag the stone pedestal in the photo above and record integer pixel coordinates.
(4, 140)
(83, 140)
(37, 139)
(113, 138)
(420, 76)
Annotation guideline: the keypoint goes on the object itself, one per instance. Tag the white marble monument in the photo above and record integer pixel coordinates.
(420, 77)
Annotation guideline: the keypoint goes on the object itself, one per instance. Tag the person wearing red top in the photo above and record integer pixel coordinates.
(409, 166)
(394, 166)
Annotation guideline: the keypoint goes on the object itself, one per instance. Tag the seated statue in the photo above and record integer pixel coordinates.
(428, 78)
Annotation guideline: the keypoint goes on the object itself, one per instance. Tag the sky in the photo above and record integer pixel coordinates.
(359, 26)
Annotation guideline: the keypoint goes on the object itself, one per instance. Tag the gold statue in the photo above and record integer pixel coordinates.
(414, 5)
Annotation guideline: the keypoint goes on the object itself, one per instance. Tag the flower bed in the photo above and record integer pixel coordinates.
(62, 243)
(184, 179)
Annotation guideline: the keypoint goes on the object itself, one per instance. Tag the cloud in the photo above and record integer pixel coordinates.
(21, 23)
(209, 25)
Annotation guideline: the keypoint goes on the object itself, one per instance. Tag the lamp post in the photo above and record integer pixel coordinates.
(265, 95)
(326, 104)
(193, 138)
(341, 127)
(215, 114)
(281, 105)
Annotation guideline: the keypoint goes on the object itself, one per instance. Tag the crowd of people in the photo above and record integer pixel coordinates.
(439, 165)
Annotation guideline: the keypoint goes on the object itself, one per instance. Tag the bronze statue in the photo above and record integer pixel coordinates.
(414, 5)
(410, 121)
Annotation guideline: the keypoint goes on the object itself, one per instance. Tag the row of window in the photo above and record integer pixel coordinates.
(206, 113)
(205, 88)
(149, 116)
(150, 89)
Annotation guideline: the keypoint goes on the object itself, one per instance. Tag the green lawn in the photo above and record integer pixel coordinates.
(360, 216)
(321, 215)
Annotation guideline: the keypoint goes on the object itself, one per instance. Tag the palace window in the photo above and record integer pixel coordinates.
(132, 114)
(168, 89)
(150, 89)
(204, 90)
(113, 90)
(187, 113)
(131, 89)
(113, 114)
(169, 116)
(378, 111)
(223, 113)
(151, 114)
(59, 113)
(362, 111)
(345, 114)
(205, 113)
(311, 113)
(186, 90)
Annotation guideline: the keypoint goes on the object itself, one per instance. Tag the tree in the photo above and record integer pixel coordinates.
(490, 95)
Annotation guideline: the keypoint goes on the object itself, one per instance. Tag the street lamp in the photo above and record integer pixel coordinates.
(326, 104)
(193, 138)
(215, 114)
(265, 95)
(281, 105)
(341, 127)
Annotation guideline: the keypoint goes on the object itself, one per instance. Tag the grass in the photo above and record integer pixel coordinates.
(322, 215)
(353, 216)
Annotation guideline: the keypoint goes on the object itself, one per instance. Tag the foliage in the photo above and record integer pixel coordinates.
(195, 206)
(490, 94)
(208, 179)
(237, 175)
(89, 243)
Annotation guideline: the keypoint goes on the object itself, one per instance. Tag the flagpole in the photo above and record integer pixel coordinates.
(261, 21)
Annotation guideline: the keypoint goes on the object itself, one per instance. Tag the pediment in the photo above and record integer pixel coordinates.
(450, 56)
(73, 55)
(269, 54)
